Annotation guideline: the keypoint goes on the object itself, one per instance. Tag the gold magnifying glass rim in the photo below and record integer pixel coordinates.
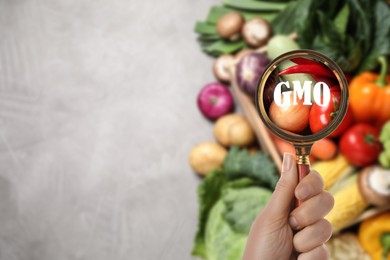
(292, 137)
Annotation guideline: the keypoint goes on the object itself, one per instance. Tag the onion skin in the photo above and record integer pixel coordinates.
(365, 186)
(294, 118)
(215, 100)
(249, 70)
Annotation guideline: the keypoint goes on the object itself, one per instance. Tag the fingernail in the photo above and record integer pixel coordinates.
(287, 162)
(293, 222)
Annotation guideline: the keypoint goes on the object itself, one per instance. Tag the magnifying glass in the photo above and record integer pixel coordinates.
(302, 97)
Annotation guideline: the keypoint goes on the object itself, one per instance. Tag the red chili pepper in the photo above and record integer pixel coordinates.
(301, 61)
(318, 71)
(313, 69)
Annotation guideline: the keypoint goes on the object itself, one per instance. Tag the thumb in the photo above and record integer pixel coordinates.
(280, 202)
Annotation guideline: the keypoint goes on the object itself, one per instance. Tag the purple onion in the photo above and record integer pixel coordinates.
(215, 100)
(249, 70)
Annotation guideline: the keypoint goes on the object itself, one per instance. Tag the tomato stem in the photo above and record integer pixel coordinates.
(381, 81)
(335, 108)
(369, 138)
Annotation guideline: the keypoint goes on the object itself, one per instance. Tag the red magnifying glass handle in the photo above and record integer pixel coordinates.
(303, 170)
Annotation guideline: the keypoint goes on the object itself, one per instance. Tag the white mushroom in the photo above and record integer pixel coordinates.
(374, 183)
(256, 32)
(221, 67)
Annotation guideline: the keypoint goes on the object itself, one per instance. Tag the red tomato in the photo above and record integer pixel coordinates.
(360, 144)
(344, 125)
(321, 116)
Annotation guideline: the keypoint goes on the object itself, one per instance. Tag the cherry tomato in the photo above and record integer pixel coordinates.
(360, 144)
(321, 116)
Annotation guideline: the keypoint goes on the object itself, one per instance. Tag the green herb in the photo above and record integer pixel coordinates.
(224, 47)
(351, 32)
(205, 28)
(380, 44)
(284, 22)
(216, 12)
(255, 5)
(341, 20)
(209, 37)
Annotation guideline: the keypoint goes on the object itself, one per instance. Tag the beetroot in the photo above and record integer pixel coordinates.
(215, 100)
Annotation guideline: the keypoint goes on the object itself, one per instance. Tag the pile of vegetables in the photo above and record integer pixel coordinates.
(354, 161)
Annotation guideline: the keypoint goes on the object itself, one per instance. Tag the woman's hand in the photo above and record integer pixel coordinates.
(279, 233)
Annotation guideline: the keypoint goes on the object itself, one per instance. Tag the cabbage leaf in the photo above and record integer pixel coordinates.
(228, 204)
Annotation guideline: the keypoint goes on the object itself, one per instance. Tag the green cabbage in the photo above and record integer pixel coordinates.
(230, 202)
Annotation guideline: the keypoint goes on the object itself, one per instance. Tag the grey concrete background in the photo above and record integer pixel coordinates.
(97, 116)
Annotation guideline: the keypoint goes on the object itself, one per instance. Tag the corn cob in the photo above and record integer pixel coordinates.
(332, 170)
(349, 204)
(346, 246)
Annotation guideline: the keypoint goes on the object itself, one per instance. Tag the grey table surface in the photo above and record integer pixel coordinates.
(97, 117)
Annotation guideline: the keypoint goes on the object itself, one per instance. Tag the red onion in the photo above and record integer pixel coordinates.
(215, 100)
(249, 70)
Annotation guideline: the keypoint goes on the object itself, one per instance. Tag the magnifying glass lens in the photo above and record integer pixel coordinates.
(302, 94)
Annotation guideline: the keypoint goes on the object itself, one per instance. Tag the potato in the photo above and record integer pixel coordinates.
(206, 157)
(233, 129)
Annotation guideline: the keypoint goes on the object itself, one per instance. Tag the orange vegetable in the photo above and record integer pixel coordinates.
(283, 146)
(370, 96)
(286, 147)
(374, 236)
(324, 149)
